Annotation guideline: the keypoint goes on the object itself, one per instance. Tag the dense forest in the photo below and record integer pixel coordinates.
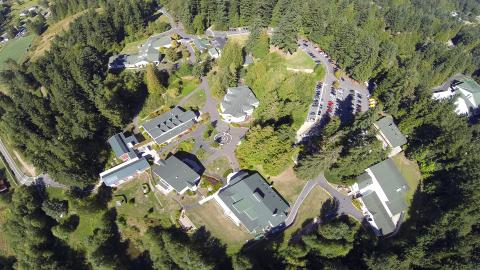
(59, 109)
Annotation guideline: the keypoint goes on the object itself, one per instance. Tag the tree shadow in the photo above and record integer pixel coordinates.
(345, 110)
(262, 252)
(211, 248)
(329, 209)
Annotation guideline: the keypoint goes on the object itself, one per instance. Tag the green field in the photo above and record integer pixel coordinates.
(15, 49)
(299, 60)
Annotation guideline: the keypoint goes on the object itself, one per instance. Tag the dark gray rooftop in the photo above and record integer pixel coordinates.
(379, 214)
(393, 184)
(176, 173)
(169, 125)
(254, 202)
(391, 131)
(239, 101)
(124, 170)
(118, 142)
(219, 42)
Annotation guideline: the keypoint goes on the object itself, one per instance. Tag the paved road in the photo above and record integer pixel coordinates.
(23, 179)
(294, 209)
(345, 205)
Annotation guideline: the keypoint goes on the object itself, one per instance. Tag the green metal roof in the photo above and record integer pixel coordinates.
(254, 202)
(379, 214)
(391, 132)
(176, 173)
(392, 183)
(364, 180)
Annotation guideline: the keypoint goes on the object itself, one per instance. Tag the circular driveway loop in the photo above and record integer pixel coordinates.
(223, 138)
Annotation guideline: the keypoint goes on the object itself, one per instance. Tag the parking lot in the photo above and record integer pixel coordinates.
(349, 98)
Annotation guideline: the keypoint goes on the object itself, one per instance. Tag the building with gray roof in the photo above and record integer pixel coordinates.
(382, 190)
(248, 200)
(390, 135)
(124, 172)
(174, 174)
(148, 53)
(238, 104)
(166, 127)
(122, 146)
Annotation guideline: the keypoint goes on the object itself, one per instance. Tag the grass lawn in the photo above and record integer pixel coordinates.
(189, 84)
(410, 172)
(219, 166)
(197, 100)
(19, 6)
(211, 216)
(288, 185)
(132, 47)
(309, 210)
(143, 210)
(299, 60)
(186, 146)
(240, 39)
(15, 49)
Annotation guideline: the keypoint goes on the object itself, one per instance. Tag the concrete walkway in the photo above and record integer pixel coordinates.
(301, 197)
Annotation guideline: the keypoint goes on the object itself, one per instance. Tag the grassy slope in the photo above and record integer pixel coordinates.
(15, 49)
(211, 216)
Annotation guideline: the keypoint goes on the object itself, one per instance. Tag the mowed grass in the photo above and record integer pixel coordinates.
(410, 171)
(309, 210)
(240, 39)
(132, 47)
(15, 49)
(215, 221)
(288, 185)
(299, 60)
(197, 100)
(219, 166)
(5, 249)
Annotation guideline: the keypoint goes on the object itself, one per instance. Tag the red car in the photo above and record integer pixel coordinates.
(330, 103)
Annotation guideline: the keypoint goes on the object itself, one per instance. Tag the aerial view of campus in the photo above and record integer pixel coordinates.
(239, 134)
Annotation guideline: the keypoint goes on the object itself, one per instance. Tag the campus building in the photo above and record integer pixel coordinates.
(168, 126)
(465, 93)
(249, 201)
(123, 146)
(122, 173)
(174, 174)
(148, 53)
(390, 135)
(238, 104)
(381, 191)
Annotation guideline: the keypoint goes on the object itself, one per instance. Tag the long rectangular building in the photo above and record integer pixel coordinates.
(166, 127)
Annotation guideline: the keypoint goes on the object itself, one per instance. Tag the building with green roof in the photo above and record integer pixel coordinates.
(390, 135)
(174, 174)
(382, 190)
(465, 93)
(249, 201)
(123, 146)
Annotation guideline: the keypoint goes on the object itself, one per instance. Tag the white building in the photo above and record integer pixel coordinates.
(465, 93)
(381, 191)
(238, 104)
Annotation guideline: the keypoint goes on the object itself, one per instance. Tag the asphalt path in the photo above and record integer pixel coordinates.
(23, 179)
